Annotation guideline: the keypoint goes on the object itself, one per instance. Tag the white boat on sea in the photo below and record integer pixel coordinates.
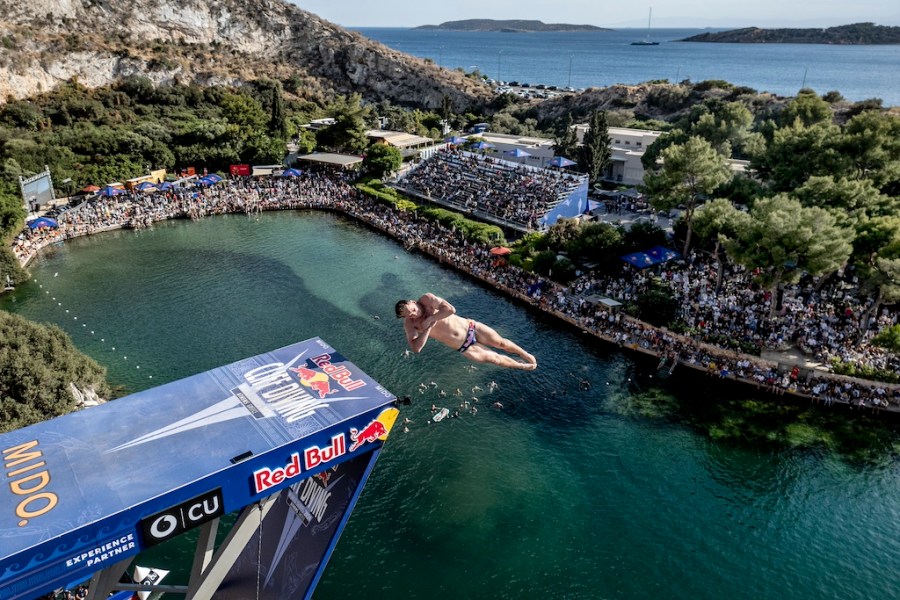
(646, 41)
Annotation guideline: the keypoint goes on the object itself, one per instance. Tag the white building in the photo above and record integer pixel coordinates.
(407, 143)
(628, 146)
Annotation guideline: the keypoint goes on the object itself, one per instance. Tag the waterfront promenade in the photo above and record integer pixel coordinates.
(672, 351)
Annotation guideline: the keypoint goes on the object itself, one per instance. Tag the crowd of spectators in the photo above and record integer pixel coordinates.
(825, 319)
(474, 183)
(821, 319)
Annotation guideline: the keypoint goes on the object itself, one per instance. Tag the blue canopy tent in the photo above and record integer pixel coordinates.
(111, 191)
(291, 173)
(593, 205)
(663, 254)
(42, 222)
(482, 146)
(165, 186)
(146, 187)
(456, 140)
(213, 177)
(206, 181)
(517, 153)
(640, 260)
(560, 161)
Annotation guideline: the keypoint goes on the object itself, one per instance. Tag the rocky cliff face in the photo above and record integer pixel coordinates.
(46, 42)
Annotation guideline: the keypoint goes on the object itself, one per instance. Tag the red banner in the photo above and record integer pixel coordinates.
(239, 170)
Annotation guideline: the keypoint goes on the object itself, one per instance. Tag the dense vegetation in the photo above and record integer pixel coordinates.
(38, 366)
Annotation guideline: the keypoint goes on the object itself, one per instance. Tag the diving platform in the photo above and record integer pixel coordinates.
(286, 440)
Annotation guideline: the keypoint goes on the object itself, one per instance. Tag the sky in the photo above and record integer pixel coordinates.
(666, 13)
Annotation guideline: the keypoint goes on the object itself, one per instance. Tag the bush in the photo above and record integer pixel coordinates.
(382, 159)
(9, 265)
(864, 372)
(543, 262)
(387, 195)
(889, 339)
(472, 230)
(37, 365)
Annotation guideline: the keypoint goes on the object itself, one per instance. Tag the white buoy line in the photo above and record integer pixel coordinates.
(84, 325)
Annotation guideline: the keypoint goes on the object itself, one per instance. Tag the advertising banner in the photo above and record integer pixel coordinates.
(298, 535)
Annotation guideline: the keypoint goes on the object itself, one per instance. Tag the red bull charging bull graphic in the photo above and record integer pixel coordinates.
(315, 456)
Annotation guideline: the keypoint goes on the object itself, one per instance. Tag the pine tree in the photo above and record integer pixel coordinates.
(566, 142)
(277, 121)
(595, 152)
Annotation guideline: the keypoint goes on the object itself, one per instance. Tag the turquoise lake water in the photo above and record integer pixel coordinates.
(635, 488)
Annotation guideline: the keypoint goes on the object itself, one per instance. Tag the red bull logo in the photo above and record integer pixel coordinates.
(315, 456)
(339, 373)
(368, 434)
(268, 477)
(317, 381)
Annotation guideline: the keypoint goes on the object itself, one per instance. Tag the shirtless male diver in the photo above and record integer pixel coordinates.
(434, 317)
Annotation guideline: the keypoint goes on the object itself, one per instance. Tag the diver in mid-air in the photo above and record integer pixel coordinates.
(434, 317)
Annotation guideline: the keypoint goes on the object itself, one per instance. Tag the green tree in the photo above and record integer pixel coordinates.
(566, 141)
(882, 281)
(597, 242)
(784, 240)
(808, 108)
(849, 199)
(382, 159)
(689, 172)
(349, 131)
(641, 236)
(715, 221)
(38, 365)
(798, 152)
(876, 236)
(595, 151)
(889, 339)
(561, 233)
(871, 142)
(726, 126)
(243, 110)
(277, 119)
(653, 153)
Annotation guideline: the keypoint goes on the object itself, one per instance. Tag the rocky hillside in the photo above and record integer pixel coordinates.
(855, 34)
(46, 42)
(513, 25)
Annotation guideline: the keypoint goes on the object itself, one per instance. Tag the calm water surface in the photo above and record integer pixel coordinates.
(586, 59)
(636, 488)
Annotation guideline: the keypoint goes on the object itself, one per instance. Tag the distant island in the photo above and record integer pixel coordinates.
(512, 25)
(855, 34)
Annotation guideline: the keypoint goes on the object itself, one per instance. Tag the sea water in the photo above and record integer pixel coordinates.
(596, 479)
(602, 58)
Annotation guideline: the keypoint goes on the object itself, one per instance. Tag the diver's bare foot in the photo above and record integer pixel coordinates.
(529, 366)
(530, 359)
